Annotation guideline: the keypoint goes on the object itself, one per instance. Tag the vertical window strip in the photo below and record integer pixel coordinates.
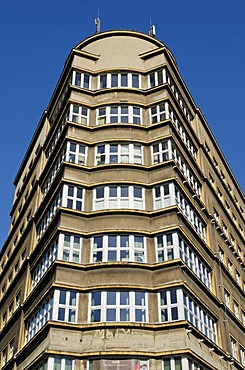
(57, 134)
(61, 305)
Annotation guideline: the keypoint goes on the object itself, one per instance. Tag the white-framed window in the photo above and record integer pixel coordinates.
(122, 79)
(221, 255)
(70, 196)
(236, 308)
(118, 363)
(188, 211)
(161, 196)
(230, 266)
(167, 247)
(159, 113)
(175, 304)
(199, 317)
(4, 355)
(243, 317)
(57, 363)
(242, 355)
(61, 305)
(81, 79)
(119, 153)
(66, 247)
(118, 306)
(73, 197)
(119, 114)
(67, 304)
(157, 78)
(76, 153)
(72, 152)
(11, 348)
(79, 114)
(175, 363)
(195, 365)
(57, 134)
(169, 302)
(69, 247)
(196, 264)
(233, 343)
(114, 196)
(227, 297)
(113, 247)
(238, 277)
(161, 151)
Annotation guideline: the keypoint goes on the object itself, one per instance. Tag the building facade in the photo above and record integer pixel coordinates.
(126, 244)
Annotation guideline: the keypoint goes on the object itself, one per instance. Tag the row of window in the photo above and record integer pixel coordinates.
(131, 80)
(231, 269)
(233, 305)
(7, 352)
(123, 153)
(122, 247)
(168, 363)
(124, 197)
(11, 309)
(122, 306)
(238, 352)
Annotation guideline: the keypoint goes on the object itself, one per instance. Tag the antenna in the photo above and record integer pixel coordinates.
(97, 23)
(152, 31)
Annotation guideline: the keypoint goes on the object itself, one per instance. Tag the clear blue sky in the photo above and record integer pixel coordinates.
(207, 38)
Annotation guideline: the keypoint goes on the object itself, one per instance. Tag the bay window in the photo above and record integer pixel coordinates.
(119, 153)
(123, 196)
(119, 114)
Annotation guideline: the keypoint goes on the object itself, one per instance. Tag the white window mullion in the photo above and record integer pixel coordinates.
(55, 304)
(180, 300)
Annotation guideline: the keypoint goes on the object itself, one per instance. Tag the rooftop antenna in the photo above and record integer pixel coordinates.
(152, 31)
(97, 23)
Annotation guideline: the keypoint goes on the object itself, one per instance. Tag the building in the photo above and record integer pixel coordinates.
(126, 244)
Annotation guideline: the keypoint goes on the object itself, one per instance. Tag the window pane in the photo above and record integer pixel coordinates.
(111, 315)
(111, 298)
(62, 299)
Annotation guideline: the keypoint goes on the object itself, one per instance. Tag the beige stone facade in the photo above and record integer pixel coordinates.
(126, 244)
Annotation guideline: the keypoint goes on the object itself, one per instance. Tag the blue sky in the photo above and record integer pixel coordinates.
(207, 38)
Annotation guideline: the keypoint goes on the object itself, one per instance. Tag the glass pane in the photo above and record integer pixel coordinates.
(111, 298)
(173, 296)
(124, 191)
(79, 193)
(137, 192)
(62, 299)
(98, 242)
(112, 255)
(167, 364)
(164, 315)
(124, 314)
(73, 297)
(72, 314)
(111, 314)
(86, 81)
(61, 314)
(96, 298)
(140, 315)
(124, 241)
(124, 80)
(174, 312)
(163, 297)
(112, 241)
(112, 191)
(65, 256)
(114, 80)
(95, 315)
(139, 298)
(124, 298)
(135, 80)
(99, 193)
(57, 363)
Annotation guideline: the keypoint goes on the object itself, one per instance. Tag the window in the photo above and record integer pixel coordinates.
(118, 306)
(110, 248)
(11, 309)
(123, 79)
(166, 150)
(119, 114)
(4, 318)
(229, 266)
(67, 306)
(233, 347)
(235, 308)
(17, 300)
(56, 363)
(81, 79)
(176, 304)
(76, 153)
(199, 317)
(166, 249)
(169, 195)
(174, 363)
(66, 247)
(157, 78)
(73, 197)
(72, 152)
(11, 348)
(227, 298)
(4, 356)
(169, 307)
(216, 215)
(238, 277)
(119, 153)
(78, 114)
(159, 113)
(162, 196)
(221, 255)
(123, 196)
(62, 305)
(242, 355)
